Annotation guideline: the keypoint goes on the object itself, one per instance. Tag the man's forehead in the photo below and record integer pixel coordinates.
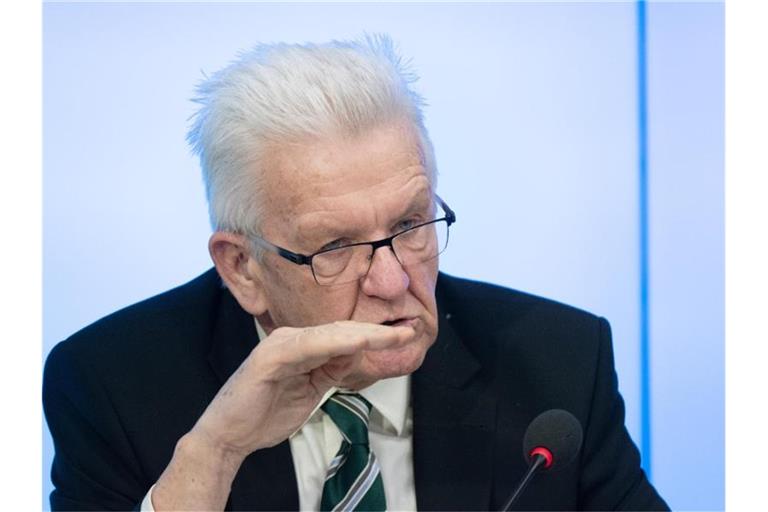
(364, 208)
(355, 213)
(331, 173)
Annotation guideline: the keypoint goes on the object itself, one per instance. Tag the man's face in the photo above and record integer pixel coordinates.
(350, 190)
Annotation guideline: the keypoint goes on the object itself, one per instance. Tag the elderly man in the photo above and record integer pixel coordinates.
(325, 363)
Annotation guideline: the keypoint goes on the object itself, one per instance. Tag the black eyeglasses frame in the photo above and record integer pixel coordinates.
(306, 259)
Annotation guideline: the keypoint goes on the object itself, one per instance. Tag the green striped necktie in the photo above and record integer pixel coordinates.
(353, 480)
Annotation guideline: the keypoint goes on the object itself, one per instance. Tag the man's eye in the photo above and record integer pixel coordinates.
(406, 224)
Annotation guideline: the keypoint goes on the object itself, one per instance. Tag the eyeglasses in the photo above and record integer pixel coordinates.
(348, 263)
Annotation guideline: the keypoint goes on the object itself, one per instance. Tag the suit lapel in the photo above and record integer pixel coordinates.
(453, 426)
(454, 419)
(234, 336)
(266, 478)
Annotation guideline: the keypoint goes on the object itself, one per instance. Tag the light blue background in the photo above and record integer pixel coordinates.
(534, 115)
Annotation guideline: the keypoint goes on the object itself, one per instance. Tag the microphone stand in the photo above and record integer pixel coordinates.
(538, 460)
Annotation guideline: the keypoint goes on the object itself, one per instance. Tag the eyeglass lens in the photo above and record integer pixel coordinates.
(411, 247)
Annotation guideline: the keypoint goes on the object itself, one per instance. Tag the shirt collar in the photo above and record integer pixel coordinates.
(389, 397)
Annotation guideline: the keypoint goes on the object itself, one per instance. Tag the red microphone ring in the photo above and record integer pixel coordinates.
(540, 450)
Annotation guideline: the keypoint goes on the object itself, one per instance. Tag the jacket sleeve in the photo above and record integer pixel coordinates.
(94, 467)
(611, 477)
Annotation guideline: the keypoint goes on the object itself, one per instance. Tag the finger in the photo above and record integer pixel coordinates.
(402, 335)
(311, 348)
(346, 338)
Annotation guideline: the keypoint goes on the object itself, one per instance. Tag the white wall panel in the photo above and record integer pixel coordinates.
(686, 136)
(532, 112)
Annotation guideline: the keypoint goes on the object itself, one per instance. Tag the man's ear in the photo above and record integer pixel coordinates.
(239, 270)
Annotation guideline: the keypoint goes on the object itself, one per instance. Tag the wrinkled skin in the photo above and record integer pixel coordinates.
(355, 189)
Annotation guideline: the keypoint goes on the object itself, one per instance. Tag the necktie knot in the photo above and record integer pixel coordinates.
(350, 412)
(353, 480)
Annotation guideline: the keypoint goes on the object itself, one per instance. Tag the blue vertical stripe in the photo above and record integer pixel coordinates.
(642, 134)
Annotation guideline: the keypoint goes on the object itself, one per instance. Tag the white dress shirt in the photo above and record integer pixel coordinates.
(316, 443)
(390, 429)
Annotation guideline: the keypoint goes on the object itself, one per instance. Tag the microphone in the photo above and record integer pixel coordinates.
(551, 441)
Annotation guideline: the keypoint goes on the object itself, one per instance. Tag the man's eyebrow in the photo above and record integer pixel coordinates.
(327, 225)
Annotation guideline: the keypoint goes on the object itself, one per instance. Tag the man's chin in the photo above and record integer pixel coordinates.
(386, 364)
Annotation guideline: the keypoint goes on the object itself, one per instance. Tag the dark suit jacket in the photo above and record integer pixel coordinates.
(121, 392)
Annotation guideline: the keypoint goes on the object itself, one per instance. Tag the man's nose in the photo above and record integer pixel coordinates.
(386, 278)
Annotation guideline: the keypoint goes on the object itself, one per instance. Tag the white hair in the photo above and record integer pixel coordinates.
(288, 92)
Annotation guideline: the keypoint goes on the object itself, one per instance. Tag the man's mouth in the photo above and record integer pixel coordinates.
(400, 322)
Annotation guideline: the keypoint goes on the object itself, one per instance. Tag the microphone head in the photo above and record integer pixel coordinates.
(559, 432)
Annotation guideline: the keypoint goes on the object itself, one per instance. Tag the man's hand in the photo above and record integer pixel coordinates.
(268, 398)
